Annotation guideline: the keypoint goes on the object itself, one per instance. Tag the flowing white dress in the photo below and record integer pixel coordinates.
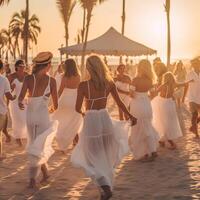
(165, 119)
(124, 87)
(41, 131)
(70, 121)
(144, 138)
(19, 128)
(103, 143)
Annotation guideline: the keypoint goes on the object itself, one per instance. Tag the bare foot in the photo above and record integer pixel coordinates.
(107, 192)
(32, 184)
(193, 129)
(19, 142)
(45, 180)
(147, 158)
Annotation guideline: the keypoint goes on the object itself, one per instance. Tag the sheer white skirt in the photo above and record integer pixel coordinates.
(165, 118)
(144, 138)
(102, 145)
(70, 121)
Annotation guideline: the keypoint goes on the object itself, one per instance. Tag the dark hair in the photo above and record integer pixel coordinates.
(121, 65)
(17, 63)
(39, 67)
(1, 64)
(70, 68)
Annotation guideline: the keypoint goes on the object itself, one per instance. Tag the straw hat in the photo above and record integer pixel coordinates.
(43, 58)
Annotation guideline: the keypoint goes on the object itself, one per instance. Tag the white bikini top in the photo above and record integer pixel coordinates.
(46, 91)
(94, 99)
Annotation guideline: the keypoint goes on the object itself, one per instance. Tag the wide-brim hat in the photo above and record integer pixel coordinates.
(43, 58)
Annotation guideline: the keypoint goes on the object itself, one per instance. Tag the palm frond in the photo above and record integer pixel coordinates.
(3, 2)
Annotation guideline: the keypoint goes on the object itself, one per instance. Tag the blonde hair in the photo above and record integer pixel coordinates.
(168, 78)
(179, 67)
(98, 71)
(144, 69)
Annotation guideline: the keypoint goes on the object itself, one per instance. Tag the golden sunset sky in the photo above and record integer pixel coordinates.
(145, 23)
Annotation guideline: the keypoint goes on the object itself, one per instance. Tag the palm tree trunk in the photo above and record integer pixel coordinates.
(89, 15)
(18, 50)
(168, 33)
(26, 32)
(83, 28)
(123, 16)
(66, 38)
(123, 21)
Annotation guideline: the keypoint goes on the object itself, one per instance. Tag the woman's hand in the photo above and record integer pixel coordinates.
(51, 109)
(13, 86)
(21, 105)
(133, 120)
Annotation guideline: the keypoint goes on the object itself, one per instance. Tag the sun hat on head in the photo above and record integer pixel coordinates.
(43, 58)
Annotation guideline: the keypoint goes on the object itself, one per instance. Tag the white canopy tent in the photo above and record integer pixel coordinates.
(111, 43)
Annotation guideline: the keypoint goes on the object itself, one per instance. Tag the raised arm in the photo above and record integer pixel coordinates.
(119, 102)
(79, 99)
(54, 93)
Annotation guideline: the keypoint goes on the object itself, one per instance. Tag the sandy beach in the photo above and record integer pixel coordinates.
(175, 175)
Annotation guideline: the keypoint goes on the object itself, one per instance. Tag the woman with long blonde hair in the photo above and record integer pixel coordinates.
(165, 119)
(102, 142)
(144, 138)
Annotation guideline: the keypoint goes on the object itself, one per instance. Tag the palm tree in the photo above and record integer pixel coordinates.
(3, 42)
(88, 6)
(8, 45)
(2, 2)
(17, 28)
(26, 32)
(26, 27)
(167, 9)
(66, 7)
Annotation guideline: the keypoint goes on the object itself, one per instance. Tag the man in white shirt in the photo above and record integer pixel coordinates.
(193, 94)
(4, 92)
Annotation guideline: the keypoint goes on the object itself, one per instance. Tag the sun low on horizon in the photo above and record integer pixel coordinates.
(145, 23)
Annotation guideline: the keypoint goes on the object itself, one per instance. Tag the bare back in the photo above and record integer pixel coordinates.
(167, 91)
(142, 84)
(95, 99)
(37, 85)
(72, 82)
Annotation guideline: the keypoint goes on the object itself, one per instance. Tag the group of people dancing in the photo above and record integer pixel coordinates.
(73, 111)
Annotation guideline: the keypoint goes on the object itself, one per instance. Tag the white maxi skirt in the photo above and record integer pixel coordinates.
(165, 118)
(41, 132)
(103, 143)
(144, 138)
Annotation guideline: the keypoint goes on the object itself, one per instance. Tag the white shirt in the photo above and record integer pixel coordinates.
(4, 88)
(193, 94)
